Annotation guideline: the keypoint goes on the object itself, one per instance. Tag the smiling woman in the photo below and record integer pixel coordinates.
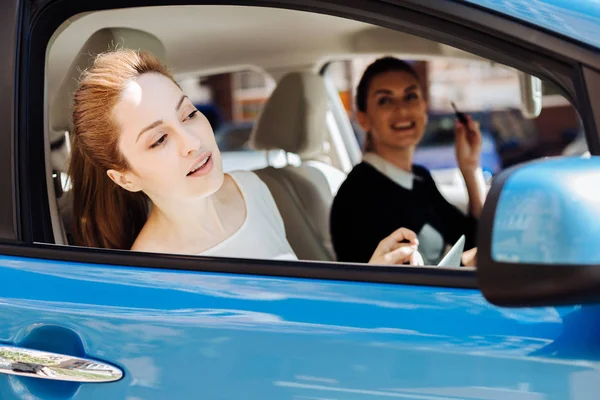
(387, 188)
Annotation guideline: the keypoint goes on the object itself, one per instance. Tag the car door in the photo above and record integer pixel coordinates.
(93, 324)
(185, 334)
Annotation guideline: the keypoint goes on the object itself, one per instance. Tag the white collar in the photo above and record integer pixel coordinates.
(398, 175)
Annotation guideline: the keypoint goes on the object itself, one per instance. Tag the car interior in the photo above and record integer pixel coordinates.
(303, 119)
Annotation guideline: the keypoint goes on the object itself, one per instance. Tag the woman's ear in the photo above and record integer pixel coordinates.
(363, 121)
(124, 179)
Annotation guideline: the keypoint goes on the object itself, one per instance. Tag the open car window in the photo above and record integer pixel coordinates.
(232, 88)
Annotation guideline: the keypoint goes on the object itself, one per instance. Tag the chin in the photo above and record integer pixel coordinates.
(207, 185)
(406, 143)
(216, 177)
(214, 181)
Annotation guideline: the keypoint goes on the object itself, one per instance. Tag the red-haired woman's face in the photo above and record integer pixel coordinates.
(168, 143)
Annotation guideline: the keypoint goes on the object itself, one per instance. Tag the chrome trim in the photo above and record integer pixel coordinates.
(60, 367)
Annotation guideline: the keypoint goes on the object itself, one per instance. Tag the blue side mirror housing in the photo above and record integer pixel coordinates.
(539, 234)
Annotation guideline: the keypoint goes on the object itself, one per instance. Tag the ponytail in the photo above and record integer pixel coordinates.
(106, 215)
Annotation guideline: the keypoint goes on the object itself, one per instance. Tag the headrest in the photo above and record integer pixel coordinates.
(99, 42)
(293, 119)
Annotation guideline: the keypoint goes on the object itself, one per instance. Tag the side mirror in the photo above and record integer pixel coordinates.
(539, 234)
(531, 95)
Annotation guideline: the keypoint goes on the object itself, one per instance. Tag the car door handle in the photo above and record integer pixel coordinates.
(45, 365)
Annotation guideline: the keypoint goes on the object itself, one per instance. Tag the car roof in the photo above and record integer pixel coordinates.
(200, 40)
(237, 37)
(575, 19)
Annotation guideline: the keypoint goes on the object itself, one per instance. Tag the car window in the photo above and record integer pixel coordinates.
(232, 88)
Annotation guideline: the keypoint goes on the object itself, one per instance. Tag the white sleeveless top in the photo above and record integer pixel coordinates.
(262, 235)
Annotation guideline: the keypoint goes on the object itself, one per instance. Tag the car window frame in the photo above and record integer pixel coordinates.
(10, 197)
(432, 21)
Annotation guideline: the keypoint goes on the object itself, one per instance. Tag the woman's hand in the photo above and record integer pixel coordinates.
(392, 250)
(468, 142)
(469, 257)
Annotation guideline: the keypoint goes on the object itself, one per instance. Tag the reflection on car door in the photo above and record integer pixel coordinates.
(179, 334)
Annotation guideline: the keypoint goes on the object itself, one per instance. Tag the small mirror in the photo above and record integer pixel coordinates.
(539, 238)
(549, 213)
(531, 95)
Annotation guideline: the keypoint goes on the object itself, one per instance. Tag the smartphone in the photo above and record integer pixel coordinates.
(460, 115)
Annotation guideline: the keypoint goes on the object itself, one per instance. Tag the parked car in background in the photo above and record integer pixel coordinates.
(234, 136)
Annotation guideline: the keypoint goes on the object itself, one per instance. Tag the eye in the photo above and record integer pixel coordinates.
(385, 100)
(160, 141)
(411, 96)
(192, 115)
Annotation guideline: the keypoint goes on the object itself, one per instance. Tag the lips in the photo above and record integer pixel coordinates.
(403, 126)
(201, 165)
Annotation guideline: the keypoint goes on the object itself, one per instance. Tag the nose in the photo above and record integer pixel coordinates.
(402, 110)
(190, 143)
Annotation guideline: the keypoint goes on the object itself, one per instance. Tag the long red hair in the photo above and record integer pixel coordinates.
(104, 214)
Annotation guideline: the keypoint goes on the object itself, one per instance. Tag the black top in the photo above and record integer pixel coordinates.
(369, 206)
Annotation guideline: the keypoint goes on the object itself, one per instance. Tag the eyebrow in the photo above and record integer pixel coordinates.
(387, 91)
(382, 91)
(160, 121)
(180, 102)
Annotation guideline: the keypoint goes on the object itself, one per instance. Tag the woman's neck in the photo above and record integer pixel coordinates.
(188, 218)
(401, 158)
(200, 223)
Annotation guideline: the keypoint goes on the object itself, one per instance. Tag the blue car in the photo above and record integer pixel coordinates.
(94, 324)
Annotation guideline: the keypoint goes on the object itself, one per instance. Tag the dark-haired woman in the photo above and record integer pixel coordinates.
(387, 190)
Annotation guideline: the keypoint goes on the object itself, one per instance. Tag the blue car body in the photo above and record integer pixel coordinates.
(576, 20)
(216, 332)
(221, 336)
